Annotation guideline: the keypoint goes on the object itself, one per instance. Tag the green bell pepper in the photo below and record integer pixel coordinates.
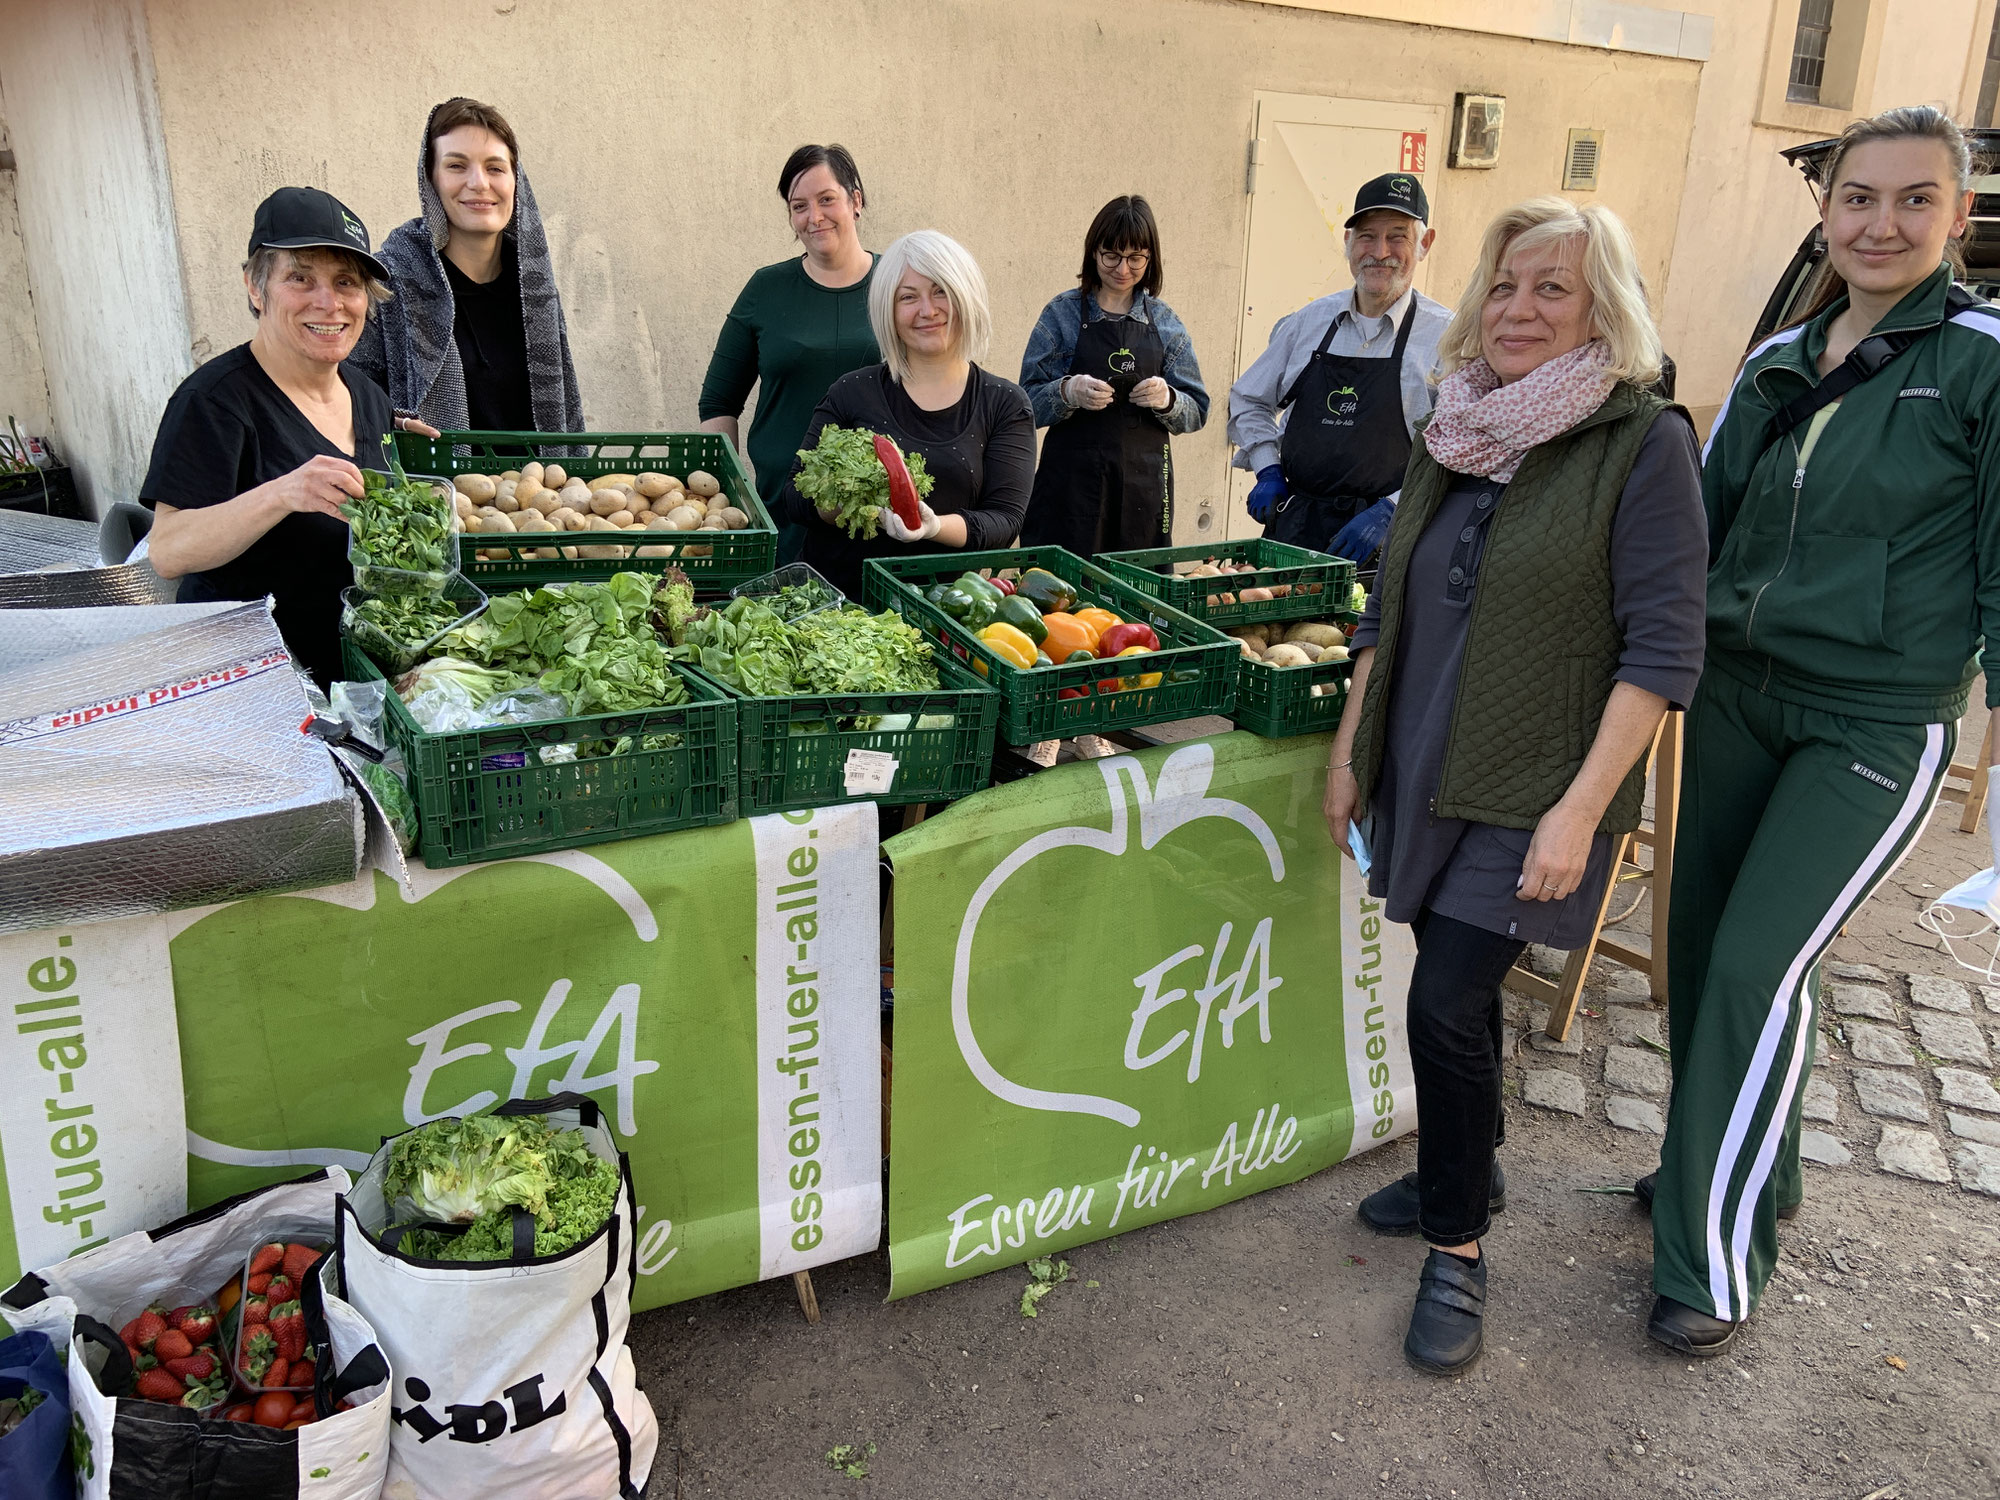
(1024, 617)
(974, 611)
(1048, 593)
(972, 583)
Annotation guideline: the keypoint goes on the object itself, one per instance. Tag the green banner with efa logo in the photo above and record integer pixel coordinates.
(1126, 990)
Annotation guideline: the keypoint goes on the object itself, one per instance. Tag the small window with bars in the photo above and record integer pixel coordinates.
(1809, 51)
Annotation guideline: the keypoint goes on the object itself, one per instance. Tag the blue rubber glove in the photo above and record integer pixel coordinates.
(1361, 538)
(1267, 492)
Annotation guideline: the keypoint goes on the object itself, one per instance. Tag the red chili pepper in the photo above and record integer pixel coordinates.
(902, 491)
(1005, 585)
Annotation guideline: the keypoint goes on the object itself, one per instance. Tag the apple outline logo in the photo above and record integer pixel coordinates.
(1178, 796)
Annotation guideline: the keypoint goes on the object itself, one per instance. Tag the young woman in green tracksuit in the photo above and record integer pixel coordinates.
(1854, 568)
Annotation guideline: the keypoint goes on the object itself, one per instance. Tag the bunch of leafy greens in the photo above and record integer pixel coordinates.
(852, 651)
(751, 649)
(746, 646)
(477, 1170)
(593, 643)
(407, 619)
(400, 522)
(842, 474)
(795, 599)
(673, 603)
(479, 683)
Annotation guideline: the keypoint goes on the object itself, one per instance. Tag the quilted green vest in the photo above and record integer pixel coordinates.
(1542, 646)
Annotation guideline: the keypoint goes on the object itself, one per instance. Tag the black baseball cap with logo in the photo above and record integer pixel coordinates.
(304, 218)
(1398, 191)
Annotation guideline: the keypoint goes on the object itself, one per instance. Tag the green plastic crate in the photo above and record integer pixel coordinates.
(1197, 663)
(1320, 585)
(1277, 702)
(483, 794)
(778, 771)
(734, 556)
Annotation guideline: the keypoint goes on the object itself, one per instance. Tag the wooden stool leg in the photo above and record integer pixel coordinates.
(802, 1283)
(1666, 826)
(1975, 791)
(1563, 1012)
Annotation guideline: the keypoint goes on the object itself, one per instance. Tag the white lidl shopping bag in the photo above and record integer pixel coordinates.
(126, 1448)
(510, 1377)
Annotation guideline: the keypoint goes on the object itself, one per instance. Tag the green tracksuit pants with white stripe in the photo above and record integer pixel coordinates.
(1789, 818)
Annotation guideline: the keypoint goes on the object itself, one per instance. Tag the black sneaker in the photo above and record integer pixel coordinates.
(1393, 1209)
(1644, 1188)
(1447, 1326)
(1688, 1330)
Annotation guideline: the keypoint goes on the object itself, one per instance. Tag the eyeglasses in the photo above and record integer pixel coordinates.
(1111, 260)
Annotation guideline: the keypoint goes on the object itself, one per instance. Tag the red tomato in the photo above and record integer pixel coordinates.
(241, 1412)
(274, 1409)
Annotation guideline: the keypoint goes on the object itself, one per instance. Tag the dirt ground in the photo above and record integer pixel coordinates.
(1256, 1349)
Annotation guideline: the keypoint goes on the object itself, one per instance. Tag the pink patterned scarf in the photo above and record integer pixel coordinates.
(1486, 428)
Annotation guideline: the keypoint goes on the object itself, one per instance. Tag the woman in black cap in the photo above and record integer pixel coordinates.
(260, 446)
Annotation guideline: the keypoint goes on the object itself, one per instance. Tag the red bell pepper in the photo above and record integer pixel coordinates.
(1121, 638)
(902, 491)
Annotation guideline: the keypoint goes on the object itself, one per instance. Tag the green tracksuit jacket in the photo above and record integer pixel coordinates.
(1857, 593)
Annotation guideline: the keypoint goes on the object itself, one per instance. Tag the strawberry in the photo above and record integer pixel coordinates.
(259, 1283)
(278, 1376)
(299, 1259)
(194, 1367)
(159, 1385)
(198, 1323)
(268, 1258)
(256, 1309)
(288, 1326)
(254, 1358)
(282, 1288)
(136, 1352)
(304, 1373)
(143, 1329)
(172, 1344)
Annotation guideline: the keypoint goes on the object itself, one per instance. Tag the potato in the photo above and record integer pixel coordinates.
(545, 503)
(569, 552)
(463, 507)
(1204, 570)
(534, 471)
(733, 518)
(507, 505)
(654, 552)
(652, 486)
(479, 487)
(684, 518)
(703, 483)
(620, 518)
(1221, 598)
(697, 549)
(545, 554)
(711, 525)
(1319, 634)
(458, 523)
(527, 489)
(1286, 656)
(508, 487)
(571, 520)
(599, 523)
(510, 476)
(1281, 591)
(1312, 652)
(553, 476)
(1334, 653)
(1255, 596)
(1258, 633)
(596, 552)
(534, 520)
(604, 502)
(1250, 651)
(497, 523)
(623, 481)
(577, 488)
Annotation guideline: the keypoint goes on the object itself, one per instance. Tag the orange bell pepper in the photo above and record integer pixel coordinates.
(1099, 620)
(1067, 635)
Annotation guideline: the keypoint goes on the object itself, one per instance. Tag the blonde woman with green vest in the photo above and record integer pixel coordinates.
(1853, 489)
(1537, 612)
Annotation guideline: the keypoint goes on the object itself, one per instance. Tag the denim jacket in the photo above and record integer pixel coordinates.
(1053, 344)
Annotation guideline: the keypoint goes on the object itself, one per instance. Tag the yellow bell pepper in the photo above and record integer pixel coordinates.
(1144, 679)
(1010, 643)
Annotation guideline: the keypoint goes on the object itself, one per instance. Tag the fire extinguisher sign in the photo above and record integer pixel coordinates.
(1415, 149)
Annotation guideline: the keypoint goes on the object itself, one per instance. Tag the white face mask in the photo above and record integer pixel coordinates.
(1967, 917)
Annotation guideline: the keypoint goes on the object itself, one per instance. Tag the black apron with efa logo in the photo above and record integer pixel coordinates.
(1345, 444)
(1106, 478)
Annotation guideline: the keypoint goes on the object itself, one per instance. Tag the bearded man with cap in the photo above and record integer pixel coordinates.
(260, 446)
(1323, 418)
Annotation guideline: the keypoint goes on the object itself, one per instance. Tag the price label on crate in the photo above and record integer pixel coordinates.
(869, 773)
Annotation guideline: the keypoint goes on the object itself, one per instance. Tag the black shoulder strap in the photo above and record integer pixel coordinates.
(1863, 362)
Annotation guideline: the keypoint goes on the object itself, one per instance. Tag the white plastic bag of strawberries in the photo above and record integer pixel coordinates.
(180, 1360)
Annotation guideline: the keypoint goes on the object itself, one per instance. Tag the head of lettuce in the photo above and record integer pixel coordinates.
(477, 1170)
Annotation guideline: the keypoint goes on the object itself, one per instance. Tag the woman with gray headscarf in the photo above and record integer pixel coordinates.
(476, 337)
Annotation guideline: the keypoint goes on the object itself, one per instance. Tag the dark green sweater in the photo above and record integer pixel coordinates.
(792, 338)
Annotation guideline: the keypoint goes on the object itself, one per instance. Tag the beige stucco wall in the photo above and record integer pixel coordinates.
(97, 229)
(1745, 210)
(1004, 125)
(24, 384)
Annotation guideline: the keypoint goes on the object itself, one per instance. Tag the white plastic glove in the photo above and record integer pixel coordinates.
(1153, 393)
(893, 527)
(1087, 392)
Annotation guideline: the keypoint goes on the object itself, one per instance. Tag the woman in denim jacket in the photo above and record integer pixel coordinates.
(1111, 373)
